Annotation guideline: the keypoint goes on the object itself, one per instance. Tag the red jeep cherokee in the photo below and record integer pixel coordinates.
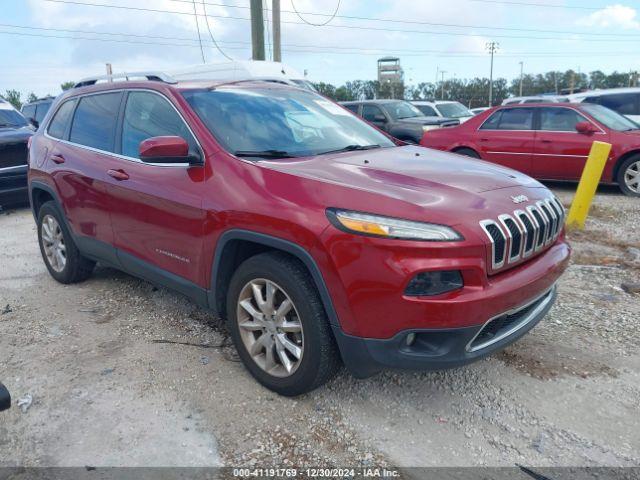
(314, 234)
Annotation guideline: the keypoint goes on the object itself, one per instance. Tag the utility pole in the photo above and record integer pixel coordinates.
(521, 72)
(492, 47)
(442, 72)
(555, 80)
(275, 18)
(109, 71)
(195, 16)
(257, 30)
(572, 84)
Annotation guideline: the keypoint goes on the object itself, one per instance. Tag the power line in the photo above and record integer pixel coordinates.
(206, 19)
(358, 27)
(331, 17)
(195, 16)
(306, 48)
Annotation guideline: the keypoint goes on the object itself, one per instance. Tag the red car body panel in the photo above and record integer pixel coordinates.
(172, 218)
(553, 155)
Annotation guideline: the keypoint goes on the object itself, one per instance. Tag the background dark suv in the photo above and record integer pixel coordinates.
(35, 111)
(398, 118)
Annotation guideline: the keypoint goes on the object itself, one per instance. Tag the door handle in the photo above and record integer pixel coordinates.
(545, 141)
(58, 159)
(118, 174)
(484, 139)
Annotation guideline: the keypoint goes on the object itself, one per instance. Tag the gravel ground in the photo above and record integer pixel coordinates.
(108, 391)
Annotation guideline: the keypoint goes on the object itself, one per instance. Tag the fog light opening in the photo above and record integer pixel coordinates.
(411, 338)
(434, 283)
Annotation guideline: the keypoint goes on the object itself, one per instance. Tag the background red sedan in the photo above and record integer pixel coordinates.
(548, 141)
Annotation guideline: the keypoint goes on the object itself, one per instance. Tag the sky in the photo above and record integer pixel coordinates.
(46, 42)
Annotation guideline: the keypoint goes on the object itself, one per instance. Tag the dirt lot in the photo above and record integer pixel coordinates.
(106, 392)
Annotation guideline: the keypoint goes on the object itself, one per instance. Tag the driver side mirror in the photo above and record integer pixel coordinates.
(586, 128)
(169, 149)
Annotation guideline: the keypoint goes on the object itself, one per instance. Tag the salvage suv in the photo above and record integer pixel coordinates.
(319, 238)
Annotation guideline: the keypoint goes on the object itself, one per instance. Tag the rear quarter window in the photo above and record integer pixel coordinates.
(58, 126)
(94, 122)
(624, 103)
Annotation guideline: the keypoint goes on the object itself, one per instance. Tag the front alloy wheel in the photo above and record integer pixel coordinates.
(270, 327)
(632, 177)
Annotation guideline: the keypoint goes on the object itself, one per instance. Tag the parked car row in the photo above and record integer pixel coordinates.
(316, 235)
(548, 141)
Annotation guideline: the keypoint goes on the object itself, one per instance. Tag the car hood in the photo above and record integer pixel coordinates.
(10, 135)
(420, 176)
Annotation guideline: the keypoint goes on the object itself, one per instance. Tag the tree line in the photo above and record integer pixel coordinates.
(474, 92)
(14, 97)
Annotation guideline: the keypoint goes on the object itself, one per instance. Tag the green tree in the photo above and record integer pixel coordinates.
(67, 85)
(13, 97)
(32, 97)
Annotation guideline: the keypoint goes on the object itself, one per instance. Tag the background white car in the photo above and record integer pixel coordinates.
(625, 101)
(536, 99)
(444, 108)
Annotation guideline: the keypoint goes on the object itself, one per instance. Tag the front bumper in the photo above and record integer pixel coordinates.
(438, 349)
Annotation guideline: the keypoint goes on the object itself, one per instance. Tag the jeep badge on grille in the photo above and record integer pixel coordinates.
(519, 198)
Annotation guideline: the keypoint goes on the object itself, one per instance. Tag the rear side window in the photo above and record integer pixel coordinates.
(94, 122)
(369, 112)
(516, 119)
(427, 111)
(150, 115)
(559, 119)
(626, 103)
(352, 107)
(492, 122)
(58, 125)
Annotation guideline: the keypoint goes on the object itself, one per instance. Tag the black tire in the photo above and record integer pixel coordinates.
(467, 152)
(630, 164)
(320, 358)
(77, 268)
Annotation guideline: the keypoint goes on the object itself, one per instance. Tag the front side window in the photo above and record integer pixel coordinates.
(149, 115)
(609, 118)
(94, 122)
(280, 122)
(41, 111)
(58, 125)
(559, 119)
(369, 113)
(453, 110)
(29, 111)
(516, 119)
(352, 107)
(400, 110)
(626, 103)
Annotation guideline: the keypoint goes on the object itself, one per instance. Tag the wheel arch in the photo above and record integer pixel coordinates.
(39, 193)
(235, 246)
(620, 161)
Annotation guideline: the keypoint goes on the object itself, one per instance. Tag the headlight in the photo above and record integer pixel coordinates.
(375, 225)
(426, 128)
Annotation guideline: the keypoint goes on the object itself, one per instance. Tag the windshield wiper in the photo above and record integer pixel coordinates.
(264, 153)
(352, 148)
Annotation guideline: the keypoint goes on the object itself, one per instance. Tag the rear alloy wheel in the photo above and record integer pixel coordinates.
(55, 250)
(629, 176)
(279, 325)
(270, 327)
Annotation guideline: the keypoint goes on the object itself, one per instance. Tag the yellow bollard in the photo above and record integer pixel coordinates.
(588, 184)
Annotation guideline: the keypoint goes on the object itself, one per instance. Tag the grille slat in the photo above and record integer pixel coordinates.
(516, 236)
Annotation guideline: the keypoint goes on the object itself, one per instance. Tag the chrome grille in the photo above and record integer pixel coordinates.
(517, 235)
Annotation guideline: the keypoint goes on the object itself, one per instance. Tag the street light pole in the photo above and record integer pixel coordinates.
(277, 49)
(521, 70)
(442, 72)
(492, 47)
(257, 30)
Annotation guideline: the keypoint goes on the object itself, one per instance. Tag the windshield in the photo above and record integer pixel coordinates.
(280, 122)
(11, 118)
(400, 110)
(454, 110)
(609, 118)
